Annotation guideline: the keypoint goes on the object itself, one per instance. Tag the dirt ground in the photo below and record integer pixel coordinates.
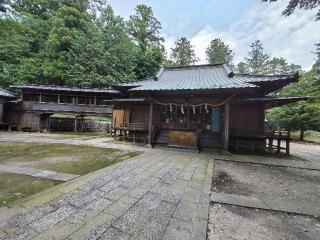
(234, 222)
(266, 181)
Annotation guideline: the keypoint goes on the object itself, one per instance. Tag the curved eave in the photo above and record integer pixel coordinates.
(275, 101)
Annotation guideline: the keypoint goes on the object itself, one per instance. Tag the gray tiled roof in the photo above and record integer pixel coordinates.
(201, 77)
(6, 94)
(66, 89)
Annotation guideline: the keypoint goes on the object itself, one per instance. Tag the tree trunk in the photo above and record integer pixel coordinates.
(301, 134)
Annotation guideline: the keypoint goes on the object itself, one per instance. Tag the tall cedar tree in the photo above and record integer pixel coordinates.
(144, 28)
(219, 52)
(105, 55)
(257, 59)
(69, 23)
(182, 53)
(21, 49)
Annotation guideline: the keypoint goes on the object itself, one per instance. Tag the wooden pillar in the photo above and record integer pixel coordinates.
(82, 122)
(75, 124)
(270, 144)
(226, 126)
(59, 98)
(288, 143)
(95, 100)
(1, 111)
(278, 145)
(150, 124)
(40, 97)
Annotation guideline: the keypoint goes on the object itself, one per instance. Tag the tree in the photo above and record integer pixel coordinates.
(68, 24)
(21, 49)
(280, 66)
(183, 53)
(316, 65)
(105, 56)
(303, 115)
(302, 4)
(242, 68)
(219, 52)
(144, 28)
(257, 59)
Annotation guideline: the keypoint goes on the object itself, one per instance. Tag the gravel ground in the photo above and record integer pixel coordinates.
(234, 222)
(266, 181)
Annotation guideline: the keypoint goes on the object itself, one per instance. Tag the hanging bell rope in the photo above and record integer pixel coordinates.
(182, 110)
(195, 105)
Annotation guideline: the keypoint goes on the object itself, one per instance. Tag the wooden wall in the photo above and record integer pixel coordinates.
(246, 119)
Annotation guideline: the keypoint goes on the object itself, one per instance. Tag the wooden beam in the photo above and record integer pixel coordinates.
(226, 126)
(150, 124)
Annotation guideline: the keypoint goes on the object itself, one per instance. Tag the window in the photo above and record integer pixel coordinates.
(31, 97)
(49, 98)
(85, 100)
(66, 99)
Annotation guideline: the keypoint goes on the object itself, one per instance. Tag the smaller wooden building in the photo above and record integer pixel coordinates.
(38, 102)
(201, 106)
(5, 96)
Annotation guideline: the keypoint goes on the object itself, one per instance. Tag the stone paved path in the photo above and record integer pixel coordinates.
(39, 173)
(156, 195)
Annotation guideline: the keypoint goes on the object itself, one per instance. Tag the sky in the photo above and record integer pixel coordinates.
(237, 22)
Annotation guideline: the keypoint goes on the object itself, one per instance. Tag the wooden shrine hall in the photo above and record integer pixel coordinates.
(200, 106)
(38, 102)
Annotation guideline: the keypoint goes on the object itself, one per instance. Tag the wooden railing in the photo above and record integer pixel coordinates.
(61, 107)
(131, 126)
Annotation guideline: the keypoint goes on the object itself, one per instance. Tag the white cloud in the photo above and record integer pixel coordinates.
(290, 37)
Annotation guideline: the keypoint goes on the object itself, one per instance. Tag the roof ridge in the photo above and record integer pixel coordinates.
(195, 66)
(265, 75)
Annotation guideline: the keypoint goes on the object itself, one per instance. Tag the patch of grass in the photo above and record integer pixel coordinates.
(18, 152)
(87, 164)
(309, 136)
(78, 159)
(98, 118)
(83, 134)
(14, 187)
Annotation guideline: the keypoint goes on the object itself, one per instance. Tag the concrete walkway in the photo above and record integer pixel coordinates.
(303, 163)
(156, 195)
(296, 207)
(39, 173)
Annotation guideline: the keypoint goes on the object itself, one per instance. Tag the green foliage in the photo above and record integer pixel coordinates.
(219, 52)
(303, 115)
(21, 46)
(183, 53)
(68, 25)
(316, 65)
(106, 55)
(241, 68)
(257, 60)
(302, 4)
(144, 29)
(280, 66)
(65, 42)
